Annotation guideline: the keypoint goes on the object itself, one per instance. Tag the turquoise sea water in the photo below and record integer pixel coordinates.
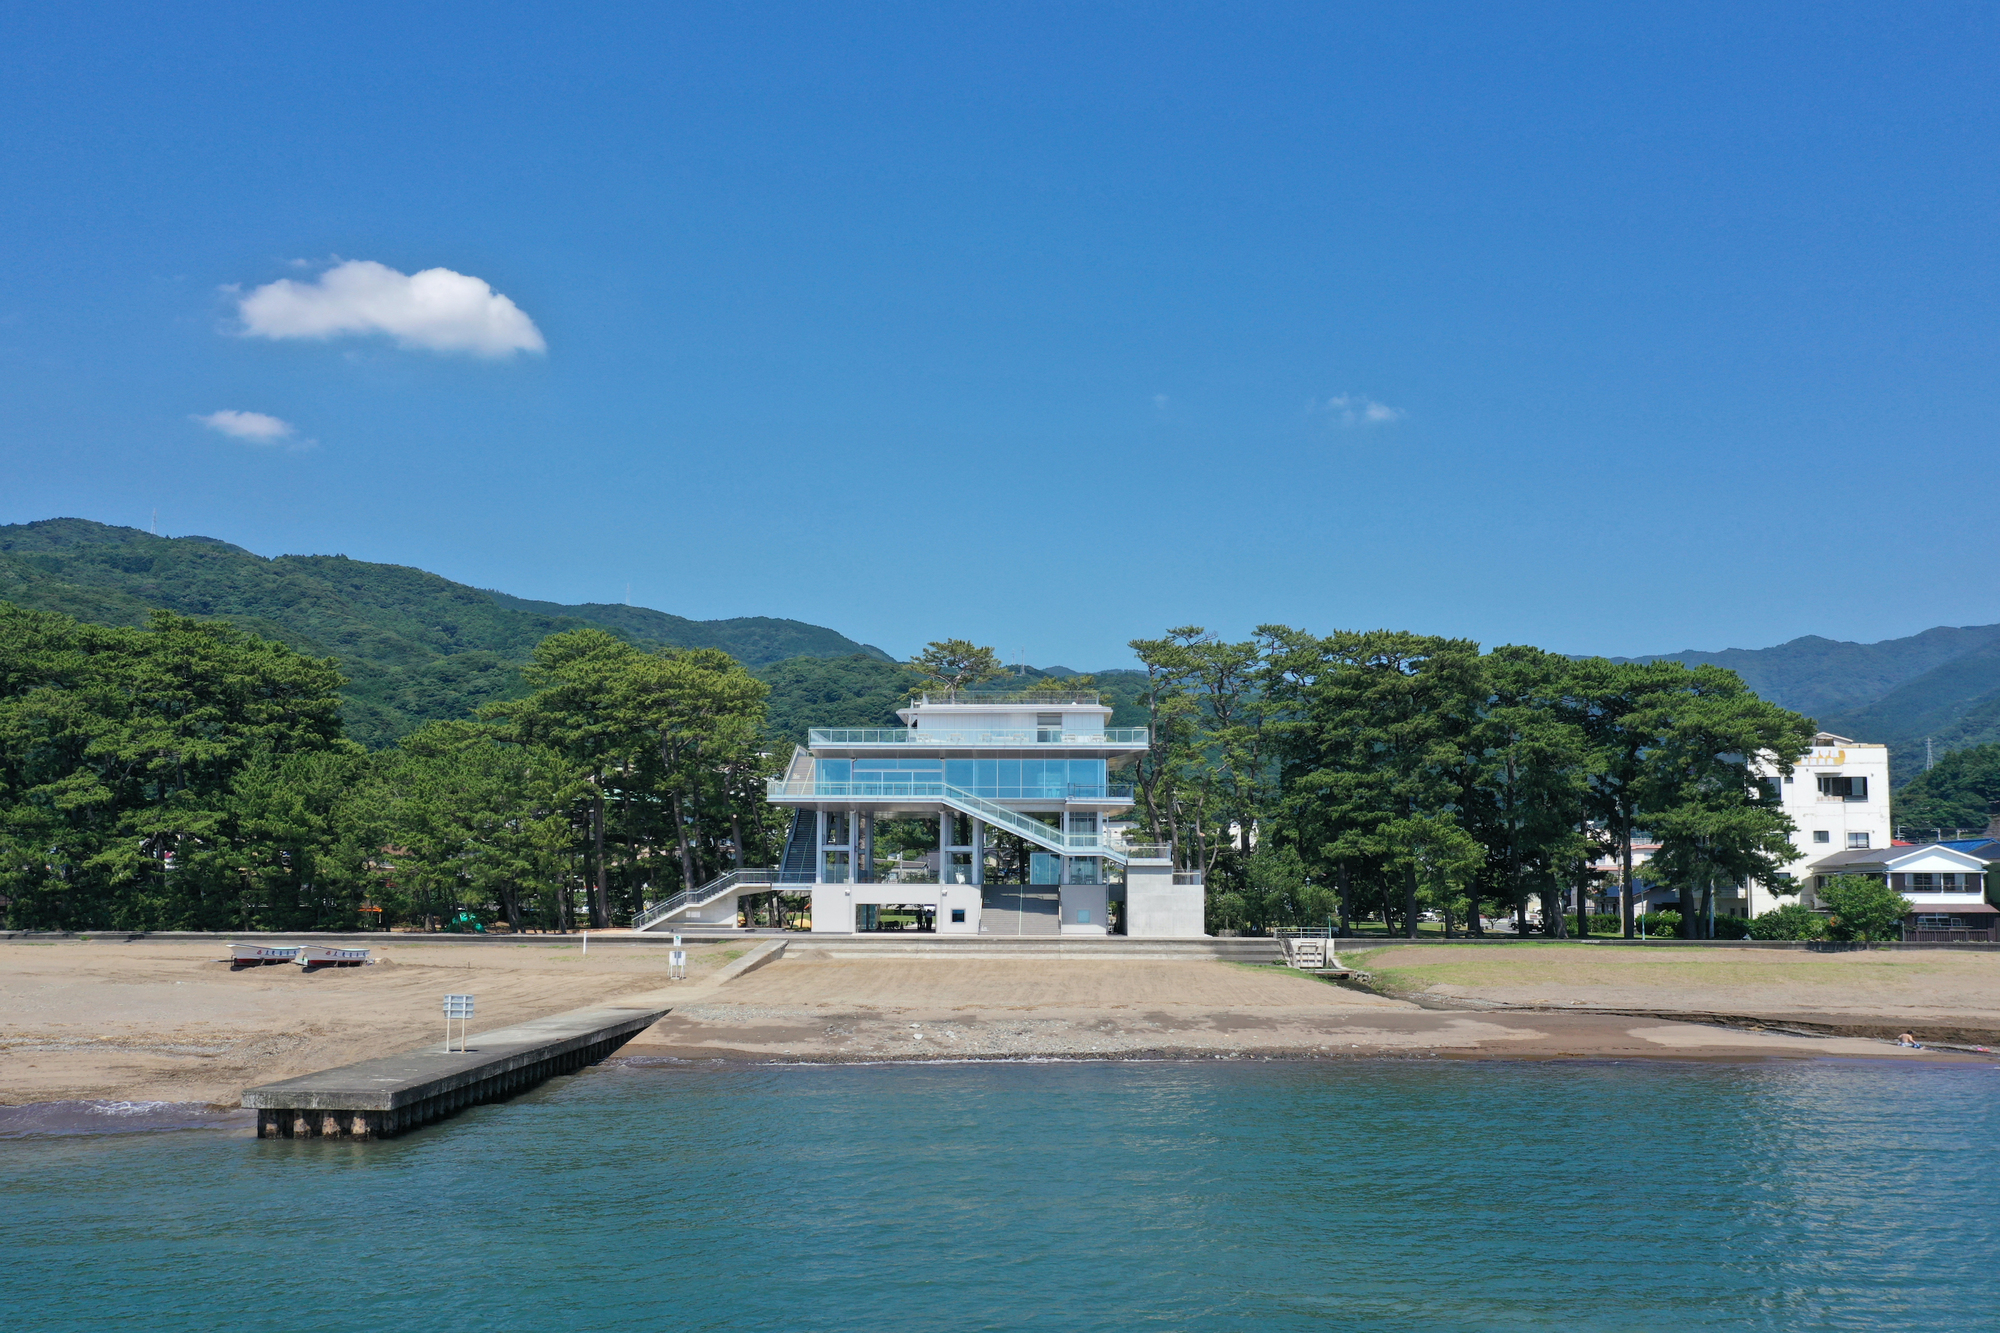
(1211, 1195)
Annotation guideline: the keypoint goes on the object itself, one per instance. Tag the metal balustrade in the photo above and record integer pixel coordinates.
(749, 877)
(1003, 738)
(981, 698)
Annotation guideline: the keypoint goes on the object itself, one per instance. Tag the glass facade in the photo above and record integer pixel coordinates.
(996, 779)
(1024, 779)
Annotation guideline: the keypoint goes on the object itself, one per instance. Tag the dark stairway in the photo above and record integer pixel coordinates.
(797, 867)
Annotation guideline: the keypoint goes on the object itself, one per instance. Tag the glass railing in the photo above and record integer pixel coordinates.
(749, 877)
(779, 789)
(1014, 821)
(984, 697)
(1022, 736)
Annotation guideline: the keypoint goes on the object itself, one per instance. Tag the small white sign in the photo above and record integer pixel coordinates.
(677, 960)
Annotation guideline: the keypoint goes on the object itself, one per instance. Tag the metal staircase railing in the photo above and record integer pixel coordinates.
(748, 877)
(1014, 821)
(1034, 830)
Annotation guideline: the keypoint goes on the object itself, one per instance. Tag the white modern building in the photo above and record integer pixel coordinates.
(1025, 794)
(1838, 796)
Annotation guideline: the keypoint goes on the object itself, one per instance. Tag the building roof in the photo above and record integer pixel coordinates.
(1896, 859)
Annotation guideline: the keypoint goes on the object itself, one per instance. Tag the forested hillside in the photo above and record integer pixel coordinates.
(415, 647)
(1962, 792)
(1943, 684)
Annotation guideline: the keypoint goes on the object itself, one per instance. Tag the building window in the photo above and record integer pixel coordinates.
(834, 868)
(1048, 728)
(958, 916)
(1843, 788)
(1083, 916)
(1856, 841)
(836, 830)
(1822, 835)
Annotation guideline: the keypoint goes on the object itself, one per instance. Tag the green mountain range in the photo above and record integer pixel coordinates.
(414, 646)
(1942, 685)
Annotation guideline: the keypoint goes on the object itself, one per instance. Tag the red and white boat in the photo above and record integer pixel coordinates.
(321, 955)
(261, 955)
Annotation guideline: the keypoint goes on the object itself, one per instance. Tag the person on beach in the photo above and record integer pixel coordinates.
(1909, 1040)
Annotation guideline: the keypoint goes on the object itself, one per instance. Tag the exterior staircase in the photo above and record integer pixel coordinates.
(1034, 830)
(750, 879)
(797, 865)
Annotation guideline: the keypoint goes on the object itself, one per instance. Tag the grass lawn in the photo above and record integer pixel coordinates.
(1686, 977)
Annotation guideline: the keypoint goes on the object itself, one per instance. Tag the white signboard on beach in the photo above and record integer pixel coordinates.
(459, 1007)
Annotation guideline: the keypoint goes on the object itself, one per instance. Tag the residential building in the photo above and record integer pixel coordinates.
(1946, 886)
(1838, 797)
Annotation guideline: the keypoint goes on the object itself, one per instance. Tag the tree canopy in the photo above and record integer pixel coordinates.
(1962, 791)
(1406, 773)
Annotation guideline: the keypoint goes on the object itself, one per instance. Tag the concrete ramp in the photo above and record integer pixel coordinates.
(386, 1096)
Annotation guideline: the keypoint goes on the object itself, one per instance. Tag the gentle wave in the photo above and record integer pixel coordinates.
(69, 1118)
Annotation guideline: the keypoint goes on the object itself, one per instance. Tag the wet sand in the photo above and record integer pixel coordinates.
(814, 1005)
(150, 1021)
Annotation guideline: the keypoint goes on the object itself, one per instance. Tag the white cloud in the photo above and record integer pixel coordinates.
(255, 427)
(1353, 409)
(437, 309)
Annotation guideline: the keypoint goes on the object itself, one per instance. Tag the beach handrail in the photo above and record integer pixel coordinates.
(743, 877)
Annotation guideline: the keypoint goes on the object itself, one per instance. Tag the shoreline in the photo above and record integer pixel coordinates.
(112, 1021)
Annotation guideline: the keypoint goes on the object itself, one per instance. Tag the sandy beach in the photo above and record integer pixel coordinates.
(170, 1022)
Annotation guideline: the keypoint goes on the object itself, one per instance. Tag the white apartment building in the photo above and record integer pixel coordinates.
(1838, 796)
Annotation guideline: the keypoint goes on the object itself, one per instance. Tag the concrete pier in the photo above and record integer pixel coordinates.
(386, 1096)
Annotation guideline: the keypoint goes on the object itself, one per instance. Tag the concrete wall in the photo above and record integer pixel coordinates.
(833, 904)
(833, 909)
(1156, 908)
(952, 897)
(1083, 909)
(721, 912)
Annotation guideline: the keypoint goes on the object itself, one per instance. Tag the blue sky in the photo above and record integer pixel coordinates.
(1609, 328)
